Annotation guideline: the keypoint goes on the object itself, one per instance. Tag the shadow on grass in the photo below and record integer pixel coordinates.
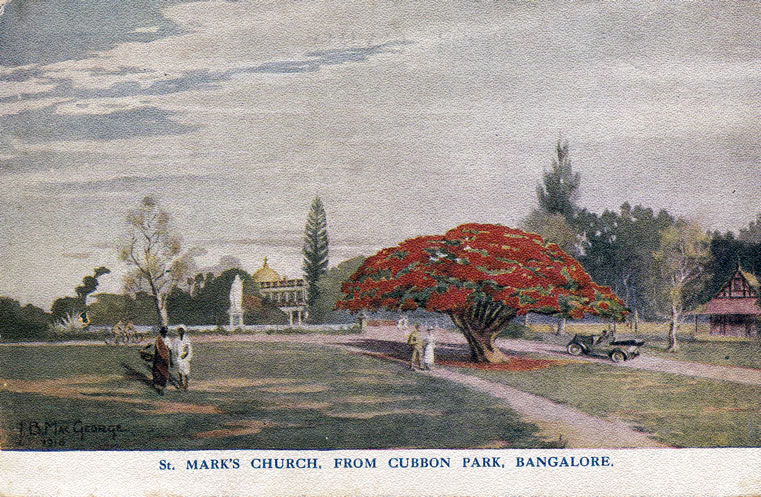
(401, 351)
(458, 352)
(133, 374)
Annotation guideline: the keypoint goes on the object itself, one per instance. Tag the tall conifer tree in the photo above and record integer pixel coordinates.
(560, 190)
(315, 249)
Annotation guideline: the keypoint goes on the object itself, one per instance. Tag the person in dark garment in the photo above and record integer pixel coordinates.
(161, 361)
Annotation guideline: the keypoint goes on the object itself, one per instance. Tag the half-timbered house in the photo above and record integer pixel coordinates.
(734, 311)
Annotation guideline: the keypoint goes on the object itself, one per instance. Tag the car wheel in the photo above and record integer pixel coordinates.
(574, 349)
(617, 356)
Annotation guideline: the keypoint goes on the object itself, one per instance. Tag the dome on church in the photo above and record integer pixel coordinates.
(265, 274)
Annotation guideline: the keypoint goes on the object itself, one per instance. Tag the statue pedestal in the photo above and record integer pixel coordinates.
(236, 319)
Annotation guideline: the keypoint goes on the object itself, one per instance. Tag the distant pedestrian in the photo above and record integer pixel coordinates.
(403, 325)
(429, 344)
(183, 353)
(161, 361)
(416, 343)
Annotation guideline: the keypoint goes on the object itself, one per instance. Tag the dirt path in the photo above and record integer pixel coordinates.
(734, 374)
(555, 421)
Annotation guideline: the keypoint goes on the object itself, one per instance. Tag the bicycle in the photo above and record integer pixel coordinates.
(117, 335)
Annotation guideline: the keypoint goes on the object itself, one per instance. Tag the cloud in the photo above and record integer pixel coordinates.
(316, 60)
(43, 32)
(76, 255)
(20, 160)
(103, 245)
(286, 239)
(119, 184)
(119, 71)
(192, 80)
(47, 125)
(196, 252)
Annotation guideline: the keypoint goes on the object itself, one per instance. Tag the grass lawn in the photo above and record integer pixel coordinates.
(681, 411)
(242, 395)
(724, 353)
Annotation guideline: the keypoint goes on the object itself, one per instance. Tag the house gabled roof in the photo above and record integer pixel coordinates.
(749, 277)
(747, 306)
(733, 305)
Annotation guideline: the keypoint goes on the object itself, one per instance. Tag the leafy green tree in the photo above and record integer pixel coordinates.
(152, 252)
(21, 323)
(557, 196)
(617, 249)
(330, 292)
(208, 302)
(109, 309)
(90, 283)
(681, 259)
(315, 250)
(751, 234)
(66, 306)
(560, 189)
(726, 253)
(553, 228)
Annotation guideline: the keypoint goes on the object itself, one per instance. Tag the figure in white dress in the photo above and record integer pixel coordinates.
(429, 344)
(183, 353)
(403, 325)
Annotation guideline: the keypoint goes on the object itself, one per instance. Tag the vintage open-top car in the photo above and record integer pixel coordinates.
(605, 344)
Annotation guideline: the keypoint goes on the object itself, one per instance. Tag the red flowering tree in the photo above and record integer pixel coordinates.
(482, 276)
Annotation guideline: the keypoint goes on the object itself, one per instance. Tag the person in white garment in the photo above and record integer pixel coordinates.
(183, 353)
(429, 344)
(403, 325)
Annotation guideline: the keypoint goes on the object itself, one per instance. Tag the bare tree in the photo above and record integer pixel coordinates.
(681, 258)
(152, 251)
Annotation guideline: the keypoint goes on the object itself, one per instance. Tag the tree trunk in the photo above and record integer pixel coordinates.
(482, 347)
(164, 313)
(561, 327)
(159, 301)
(673, 347)
(161, 311)
(525, 320)
(636, 320)
(481, 329)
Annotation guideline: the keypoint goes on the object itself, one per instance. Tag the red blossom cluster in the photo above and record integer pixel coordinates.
(476, 263)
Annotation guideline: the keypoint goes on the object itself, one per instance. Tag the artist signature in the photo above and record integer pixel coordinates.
(56, 433)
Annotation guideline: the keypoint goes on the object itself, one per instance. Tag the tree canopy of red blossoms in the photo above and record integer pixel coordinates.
(482, 276)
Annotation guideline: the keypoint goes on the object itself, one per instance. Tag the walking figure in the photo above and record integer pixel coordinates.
(403, 325)
(429, 344)
(414, 341)
(161, 361)
(183, 353)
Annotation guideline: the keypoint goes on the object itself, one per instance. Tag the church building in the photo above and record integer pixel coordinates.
(289, 295)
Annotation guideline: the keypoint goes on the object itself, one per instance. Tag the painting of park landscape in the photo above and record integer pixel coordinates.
(429, 225)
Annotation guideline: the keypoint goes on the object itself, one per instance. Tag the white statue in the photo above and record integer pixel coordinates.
(236, 294)
(236, 302)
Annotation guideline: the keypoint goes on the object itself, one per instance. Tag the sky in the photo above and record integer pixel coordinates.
(405, 118)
